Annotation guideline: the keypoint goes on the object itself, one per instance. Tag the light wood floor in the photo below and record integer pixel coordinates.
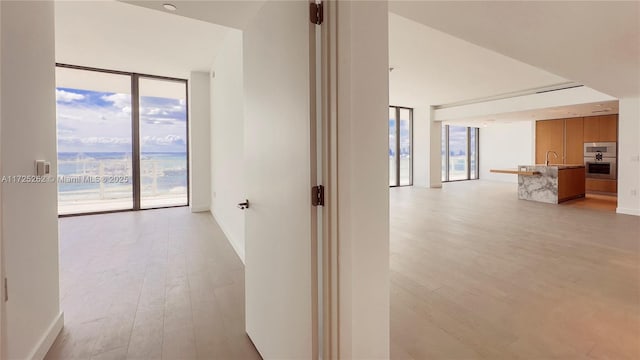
(478, 274)
(595, 202)
(157, 284)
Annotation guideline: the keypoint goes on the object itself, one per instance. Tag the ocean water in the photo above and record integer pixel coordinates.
(160, 173)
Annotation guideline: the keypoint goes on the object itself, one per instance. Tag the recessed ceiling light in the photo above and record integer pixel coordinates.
(170, 7)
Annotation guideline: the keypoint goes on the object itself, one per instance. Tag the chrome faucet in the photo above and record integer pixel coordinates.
(547, 156)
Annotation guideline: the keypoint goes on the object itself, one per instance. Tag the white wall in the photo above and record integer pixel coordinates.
(29, 211)
(3, 348)
(435, 148)
(427, 163)
(505, 146)
(363, 188)
(629, 156)
(421, 130)
(199, 141)
(227, 140)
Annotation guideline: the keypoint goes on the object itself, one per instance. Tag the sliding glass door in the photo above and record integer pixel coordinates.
(163, 146)
(459, 153)
(95, 153)
(400, 146)
(122, 141)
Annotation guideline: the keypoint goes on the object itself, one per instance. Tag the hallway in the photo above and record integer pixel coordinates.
(156, 284)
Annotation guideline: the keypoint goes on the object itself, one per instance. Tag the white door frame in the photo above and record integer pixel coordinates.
(355, 249)
(329, 153)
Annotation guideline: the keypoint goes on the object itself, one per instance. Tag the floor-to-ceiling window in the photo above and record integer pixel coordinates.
(459, 153)
(400, 146)
(122, 141)
(163, 146)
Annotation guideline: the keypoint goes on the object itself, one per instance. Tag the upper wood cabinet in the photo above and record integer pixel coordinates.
(591, 129)
(574, 143)
(567, 137)
(601, 128)
(550, 137)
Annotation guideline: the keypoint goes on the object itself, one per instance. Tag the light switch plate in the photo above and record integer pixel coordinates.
(43, 168)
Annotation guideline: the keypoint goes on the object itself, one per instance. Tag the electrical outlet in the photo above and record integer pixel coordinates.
(635, 158)
(634, 192)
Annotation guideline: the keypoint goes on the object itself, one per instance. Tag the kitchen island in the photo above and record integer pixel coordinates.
(549, 183)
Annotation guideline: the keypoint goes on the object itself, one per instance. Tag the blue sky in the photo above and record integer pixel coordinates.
(93, 121)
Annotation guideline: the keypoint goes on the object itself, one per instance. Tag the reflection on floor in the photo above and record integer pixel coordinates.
(478, 274)
(156, 284)
(595, 202)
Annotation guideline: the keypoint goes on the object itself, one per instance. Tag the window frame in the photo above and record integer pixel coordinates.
(476, 157)
(135, 137)
(397, 148)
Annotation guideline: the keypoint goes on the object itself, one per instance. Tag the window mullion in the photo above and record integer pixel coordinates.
(135, 139)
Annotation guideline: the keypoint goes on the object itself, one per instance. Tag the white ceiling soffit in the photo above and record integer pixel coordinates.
(596, 43)
(235, 14)
(118, 36)
(561, 112)
(573, 102)
(431, 67)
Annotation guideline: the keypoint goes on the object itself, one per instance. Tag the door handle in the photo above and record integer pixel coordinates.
(244, 205)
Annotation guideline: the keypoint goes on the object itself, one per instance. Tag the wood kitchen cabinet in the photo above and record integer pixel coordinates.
(567, 137)
(602, 186)
(550, 137)
(601, 128)
(571, 184)
(574, 144)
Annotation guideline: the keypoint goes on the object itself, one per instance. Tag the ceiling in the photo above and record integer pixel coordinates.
(233, 14)
(596, 43)
(441, 52)
(118, 36)
(431, 67)
(561, 112)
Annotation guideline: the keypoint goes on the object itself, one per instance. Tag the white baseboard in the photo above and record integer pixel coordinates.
(626, 211)
(199, 208)
(234, 245)
(48, 338)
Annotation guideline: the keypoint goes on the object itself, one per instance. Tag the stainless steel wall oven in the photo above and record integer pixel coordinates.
(600, 160)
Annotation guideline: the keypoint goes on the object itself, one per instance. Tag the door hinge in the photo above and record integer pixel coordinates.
(317, 195)
(6, 290)
(316, 14)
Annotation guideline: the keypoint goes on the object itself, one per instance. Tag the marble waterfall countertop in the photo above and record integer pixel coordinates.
(542, 187)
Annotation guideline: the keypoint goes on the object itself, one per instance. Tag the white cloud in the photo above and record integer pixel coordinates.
(163, 141)
(153, 111)
(67, 96)
(94, 140)
(121, 101)
(158, 121)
